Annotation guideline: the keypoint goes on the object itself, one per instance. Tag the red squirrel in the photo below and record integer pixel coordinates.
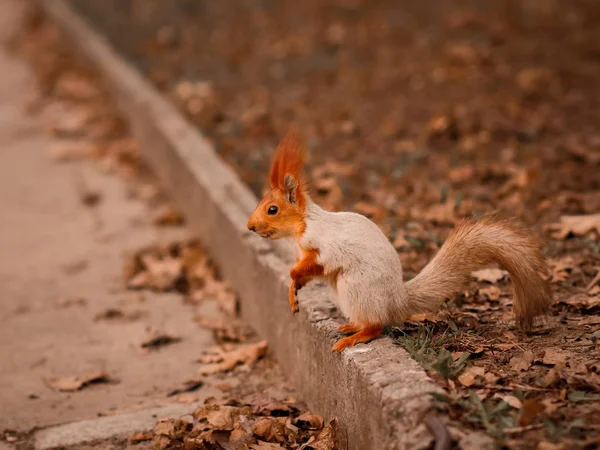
(359, 262)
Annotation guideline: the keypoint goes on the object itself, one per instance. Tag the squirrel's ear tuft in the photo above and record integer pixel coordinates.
(287, 168)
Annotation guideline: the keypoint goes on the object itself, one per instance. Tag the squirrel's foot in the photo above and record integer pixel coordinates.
(349, 328)
(366, 334)
(293, 298)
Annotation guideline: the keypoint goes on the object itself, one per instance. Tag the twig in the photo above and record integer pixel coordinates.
(518, 430)
(594, 281)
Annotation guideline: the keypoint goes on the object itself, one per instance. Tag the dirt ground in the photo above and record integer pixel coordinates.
(417, 115)
(108, 306)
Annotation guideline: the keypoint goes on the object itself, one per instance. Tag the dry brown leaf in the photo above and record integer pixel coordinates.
(490, 275)
(262, 445)
(64, 151)
(141, 436)
(491, 292)
(72, 301)
(554, 375)
(309, 420)
(324, 440)
(468, 378)
(562, 268)
(545, 445)
(551, 405)
(441, 214)
(510, 399)
(581, 300)
(553, 356)
(163, 272)
(522, 361)
(226, 329)
(530, 410)
(155, 339)
(269, 429)
(220, 417)
(222, 361)
(168, 431)
(168, 217)
(575, 225)
(461, 174)
(74, 383)
(187, 386)
(592, 320)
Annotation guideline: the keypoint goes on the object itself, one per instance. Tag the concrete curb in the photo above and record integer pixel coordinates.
(376, 391)
(122, 425)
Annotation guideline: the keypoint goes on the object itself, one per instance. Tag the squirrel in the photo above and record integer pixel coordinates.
(354, 256)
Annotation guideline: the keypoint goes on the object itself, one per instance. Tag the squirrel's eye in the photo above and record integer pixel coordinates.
(272, 210)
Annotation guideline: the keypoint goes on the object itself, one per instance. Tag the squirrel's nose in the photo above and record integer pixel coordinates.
(251, 226)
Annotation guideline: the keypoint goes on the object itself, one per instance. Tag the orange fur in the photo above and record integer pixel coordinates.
(307, 268)
(288, 193)
(289, 161)
(367, 333)
(303, 271)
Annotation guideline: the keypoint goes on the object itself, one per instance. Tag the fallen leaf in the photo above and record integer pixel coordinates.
(309, 420)
(269, 429)
(575, 225)
(489, 275)
(551, 405)
(72, 301)
(582, 301)
(74, 383)
(186, 386)
(223, 361)
(140, 437)
(522, 361)
(169, 431)
(220, 417)
(226, 329)
(273, 409)
(491, 292)
(324, 440)
(593, 320)
(168, 217)
(553, 356)
(510, 399)
(65, 151)
(262, 445)
(554, 375)
(470, 375)
(530, 410)
(155, 339)
(163, 272)
(441, 213)
(545, 445)
(562, 269)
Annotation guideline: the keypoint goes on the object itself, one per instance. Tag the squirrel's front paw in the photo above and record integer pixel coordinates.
(293, 297)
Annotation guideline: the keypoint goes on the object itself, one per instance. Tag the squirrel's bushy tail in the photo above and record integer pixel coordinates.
(471, 246)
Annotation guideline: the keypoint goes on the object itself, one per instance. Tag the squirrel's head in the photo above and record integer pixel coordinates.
(281, 211)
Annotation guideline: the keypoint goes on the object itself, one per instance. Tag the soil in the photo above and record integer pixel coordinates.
(416, 114)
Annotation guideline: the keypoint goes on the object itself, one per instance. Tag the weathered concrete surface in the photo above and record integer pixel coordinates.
(122, 425)
(52, 247)
(376, 390)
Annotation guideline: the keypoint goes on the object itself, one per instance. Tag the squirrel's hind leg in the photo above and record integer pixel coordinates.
(349, 328)
(366, 334)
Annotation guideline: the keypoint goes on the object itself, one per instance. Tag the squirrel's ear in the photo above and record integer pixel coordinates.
(287, 168)
(291, 186)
